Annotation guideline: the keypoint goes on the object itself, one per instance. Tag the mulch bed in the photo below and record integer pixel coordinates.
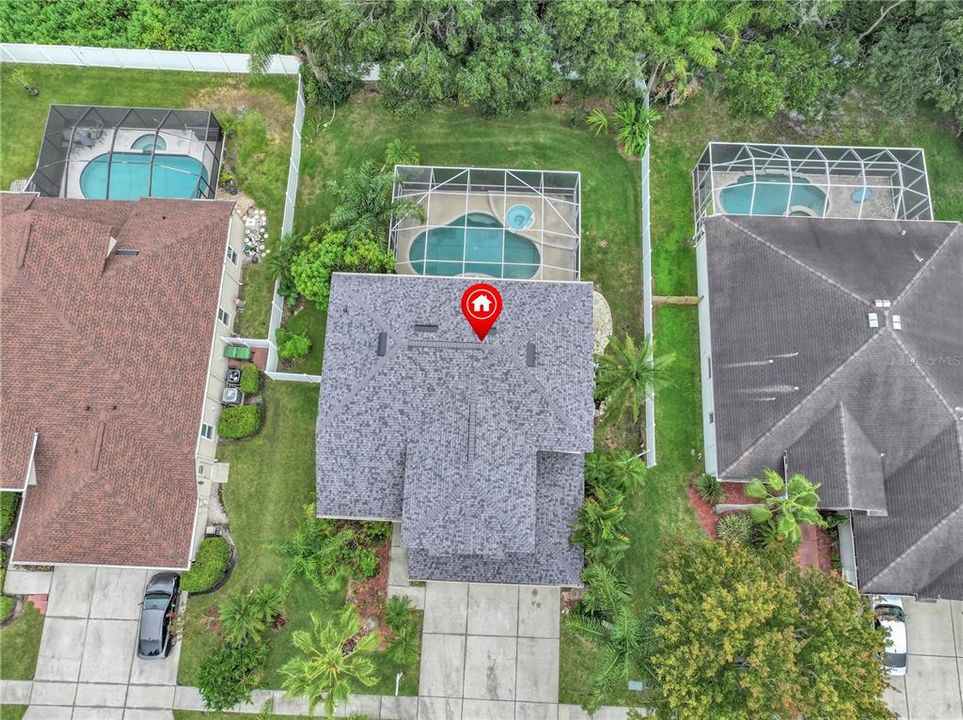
(814, 551)
(369, 596)
(704, 513)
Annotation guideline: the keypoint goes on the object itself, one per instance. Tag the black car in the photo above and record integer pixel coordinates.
(157, 612)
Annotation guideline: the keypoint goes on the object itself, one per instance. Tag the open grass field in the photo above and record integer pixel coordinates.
(20, 645)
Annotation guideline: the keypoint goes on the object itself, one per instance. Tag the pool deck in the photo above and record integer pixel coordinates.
(554, 231)
(839, 196)
(80, 155)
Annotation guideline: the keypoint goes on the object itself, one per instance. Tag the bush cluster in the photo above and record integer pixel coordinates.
(9, 502)
(158, 24)
(208, 566)
(230, 674)
(291, 345)
(709, 489)
(7, 603)
(239, 422)
(250, 379)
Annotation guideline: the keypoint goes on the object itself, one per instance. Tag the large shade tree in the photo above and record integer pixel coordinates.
(740, 634)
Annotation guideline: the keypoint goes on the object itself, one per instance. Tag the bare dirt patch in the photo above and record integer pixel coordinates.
(235, 96)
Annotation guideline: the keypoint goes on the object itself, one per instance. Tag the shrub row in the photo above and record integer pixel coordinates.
(209, 565)
(239, 422)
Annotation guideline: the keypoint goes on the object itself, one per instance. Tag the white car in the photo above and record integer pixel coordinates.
(889, 613)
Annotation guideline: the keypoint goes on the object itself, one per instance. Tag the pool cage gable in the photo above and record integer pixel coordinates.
(857, 182)
(76, 135)
(449, 193)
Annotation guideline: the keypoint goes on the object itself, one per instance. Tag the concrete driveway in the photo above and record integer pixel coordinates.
(932, 688)
(87, 665)
(489, 651)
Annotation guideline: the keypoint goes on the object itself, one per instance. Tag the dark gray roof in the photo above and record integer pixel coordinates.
(443, 432)
(800, 377)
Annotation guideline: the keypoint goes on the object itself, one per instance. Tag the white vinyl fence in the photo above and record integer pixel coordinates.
(647, 327)
(141, 59)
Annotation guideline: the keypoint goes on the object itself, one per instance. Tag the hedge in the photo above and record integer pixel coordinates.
(7, 603)
(250, 379)
(239, 422)
(9, 501)
(209, 565)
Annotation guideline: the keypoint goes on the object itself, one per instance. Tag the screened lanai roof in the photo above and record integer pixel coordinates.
(501, 223)
(120, 153)
(812, 181)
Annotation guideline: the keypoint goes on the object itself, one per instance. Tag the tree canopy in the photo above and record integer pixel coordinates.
(739, 634)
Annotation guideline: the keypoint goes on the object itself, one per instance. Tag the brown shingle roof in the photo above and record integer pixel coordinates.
(106, 358)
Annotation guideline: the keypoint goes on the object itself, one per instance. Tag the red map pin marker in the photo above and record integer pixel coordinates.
(481, 304)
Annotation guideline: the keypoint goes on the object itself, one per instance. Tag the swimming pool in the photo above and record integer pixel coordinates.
(773, 196)
(473, 243)
(131, 176)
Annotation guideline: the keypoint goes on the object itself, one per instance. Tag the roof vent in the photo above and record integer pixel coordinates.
(530, 354)
(873, 320)
(127, 252)
(426, 328)
(382, 343)
(897, 322)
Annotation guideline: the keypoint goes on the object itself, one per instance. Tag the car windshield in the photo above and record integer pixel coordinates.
(895, 660)
(156, 601)
(889, 612)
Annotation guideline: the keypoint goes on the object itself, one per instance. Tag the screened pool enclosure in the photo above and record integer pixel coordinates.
(483, 222)
(812, 181)
(113, 153)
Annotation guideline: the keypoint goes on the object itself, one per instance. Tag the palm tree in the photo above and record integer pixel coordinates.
(245, 616)
(315, 554)
(635, 123)
(785, 505)
(334, 660)
(365, 203)
(619, 634)
(626, 373)
(279, 263)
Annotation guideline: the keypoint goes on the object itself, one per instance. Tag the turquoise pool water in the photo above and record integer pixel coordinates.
(473, 243)
(773, 195)
(174, 176)
(519, 217)
(148, 142)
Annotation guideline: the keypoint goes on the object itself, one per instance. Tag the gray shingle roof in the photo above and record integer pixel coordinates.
(447, 433)
(874, 414)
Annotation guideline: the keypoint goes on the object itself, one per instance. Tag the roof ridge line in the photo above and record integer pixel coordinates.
(926, 265)
(842, 434)
(943, 521)
(915, 363)
(808, 397)
(797, 261)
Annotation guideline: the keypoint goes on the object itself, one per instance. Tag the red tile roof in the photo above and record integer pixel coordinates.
(106, 358)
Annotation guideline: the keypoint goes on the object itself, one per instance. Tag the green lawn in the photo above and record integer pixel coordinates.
(272, 480)
(14, 712)
(259, 108)
(20, 645)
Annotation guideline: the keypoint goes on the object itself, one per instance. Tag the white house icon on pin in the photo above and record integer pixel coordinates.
(482, 304)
